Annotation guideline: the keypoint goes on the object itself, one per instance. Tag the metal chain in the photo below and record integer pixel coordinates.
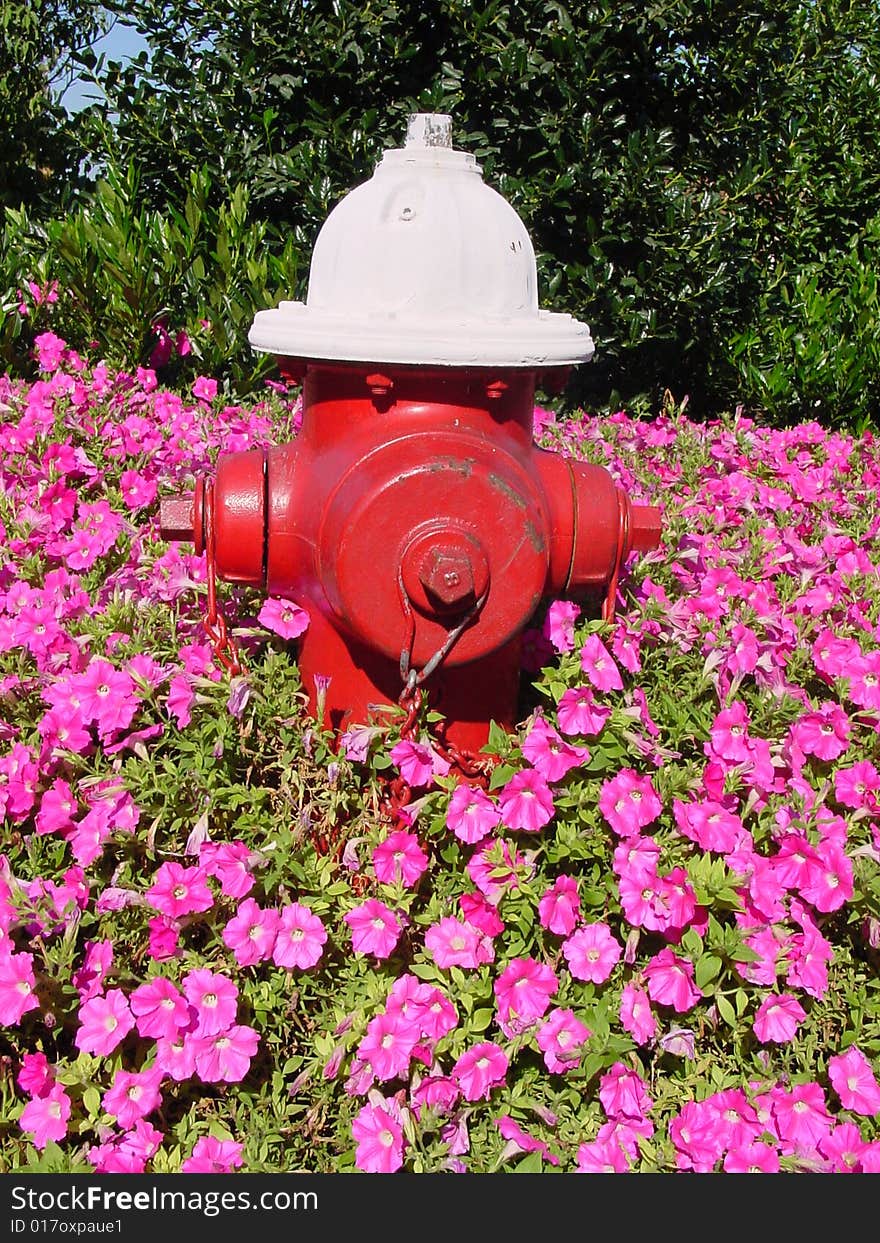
(223, 645)
(412, 699)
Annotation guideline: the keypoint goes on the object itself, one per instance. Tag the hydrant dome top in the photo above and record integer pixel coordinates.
(423, 264)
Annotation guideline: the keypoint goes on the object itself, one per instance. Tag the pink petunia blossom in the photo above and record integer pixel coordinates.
(299, 937)
(496, 867)
(283, 618)
(800, 1117)
(225, 1056)
(251, 932)
(378, 1135)
(213, 1156)
(521, 1141)
(559, 906)
(623, 1093)
(230, 863)
(374, 928)
(454, 943)
(132, 1096)
(599, 666)
(45, 1117)
(549, 753)
(756, 1157)
(480, 1069)
(578, 712)
(636, 1015)
(388, 1045)
(399, 859)
(418, 763)
(559, 624)
(560, 1038)
(17, 985)
(159, 1009)
(629, 802)
(778, 1019)
(213, 1001)
(729, 733)
(592, 952)
(522, 992)
(670, 981)
(36, 1075)
(526, 801)
(471, 814)
(178, 890)
(104, 1023)
(851, 1076)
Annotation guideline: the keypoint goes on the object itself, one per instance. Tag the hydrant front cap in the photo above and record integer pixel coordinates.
(423, 264)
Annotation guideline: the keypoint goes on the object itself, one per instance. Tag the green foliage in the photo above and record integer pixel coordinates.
(38, 156)
(127, 269)
(696, 176)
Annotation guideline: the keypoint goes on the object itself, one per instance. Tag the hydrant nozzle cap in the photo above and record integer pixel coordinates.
(424, 264)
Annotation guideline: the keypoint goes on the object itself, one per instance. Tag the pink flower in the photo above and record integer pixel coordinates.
(602, 1156)
(559, 624)
(828, 883)
(471, 814)
(225, 1057)
(549, 754)
(164, 935)
(230, 863)
(858, 785)
(374, 928)
(559, 1038)
(50, 351)
(636, 1015)
(418, 764)
(104, 1023)
(204, 388)
(523, 992)
(629, 802)
(479, 1070)
(379, 1138)
(178, 890)
(17, 986)
(853, 1080)
(133, 1096)
(559, 907)
(137, 490)
(283, 618)
(159, 1009)
(778, 1018)
(45, 1117)
(36, 1075)
(495, 867)
(526, 802)
(845, 1148)
(399, 859)
(801, 1118)
(453, 943)
(592, 953)
(299, 938)
(213, 1156)
(578, 713)
(521, 1140)
(824, 733)
(97, 960)
(598, 664)
(388, 1045)
(670, 981)
(213, 999)
(729, 733)
(251, 932)
(708, 823)
(755, 1157)
(623, 1093)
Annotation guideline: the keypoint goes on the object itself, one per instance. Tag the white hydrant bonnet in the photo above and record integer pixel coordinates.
(423, 264)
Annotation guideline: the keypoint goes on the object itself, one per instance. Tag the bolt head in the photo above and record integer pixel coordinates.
(447, 576)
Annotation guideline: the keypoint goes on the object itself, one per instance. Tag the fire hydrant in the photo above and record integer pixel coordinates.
(414, 518)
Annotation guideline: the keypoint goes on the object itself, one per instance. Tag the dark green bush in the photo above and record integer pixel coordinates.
(130, 274)
(699, 177)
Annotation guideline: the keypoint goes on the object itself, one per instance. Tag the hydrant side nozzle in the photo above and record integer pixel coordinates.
(646, 527)
(182, 517)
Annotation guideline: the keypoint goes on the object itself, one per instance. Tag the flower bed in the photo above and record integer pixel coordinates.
(649, 945)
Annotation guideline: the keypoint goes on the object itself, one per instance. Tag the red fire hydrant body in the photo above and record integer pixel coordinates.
(416, 522)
